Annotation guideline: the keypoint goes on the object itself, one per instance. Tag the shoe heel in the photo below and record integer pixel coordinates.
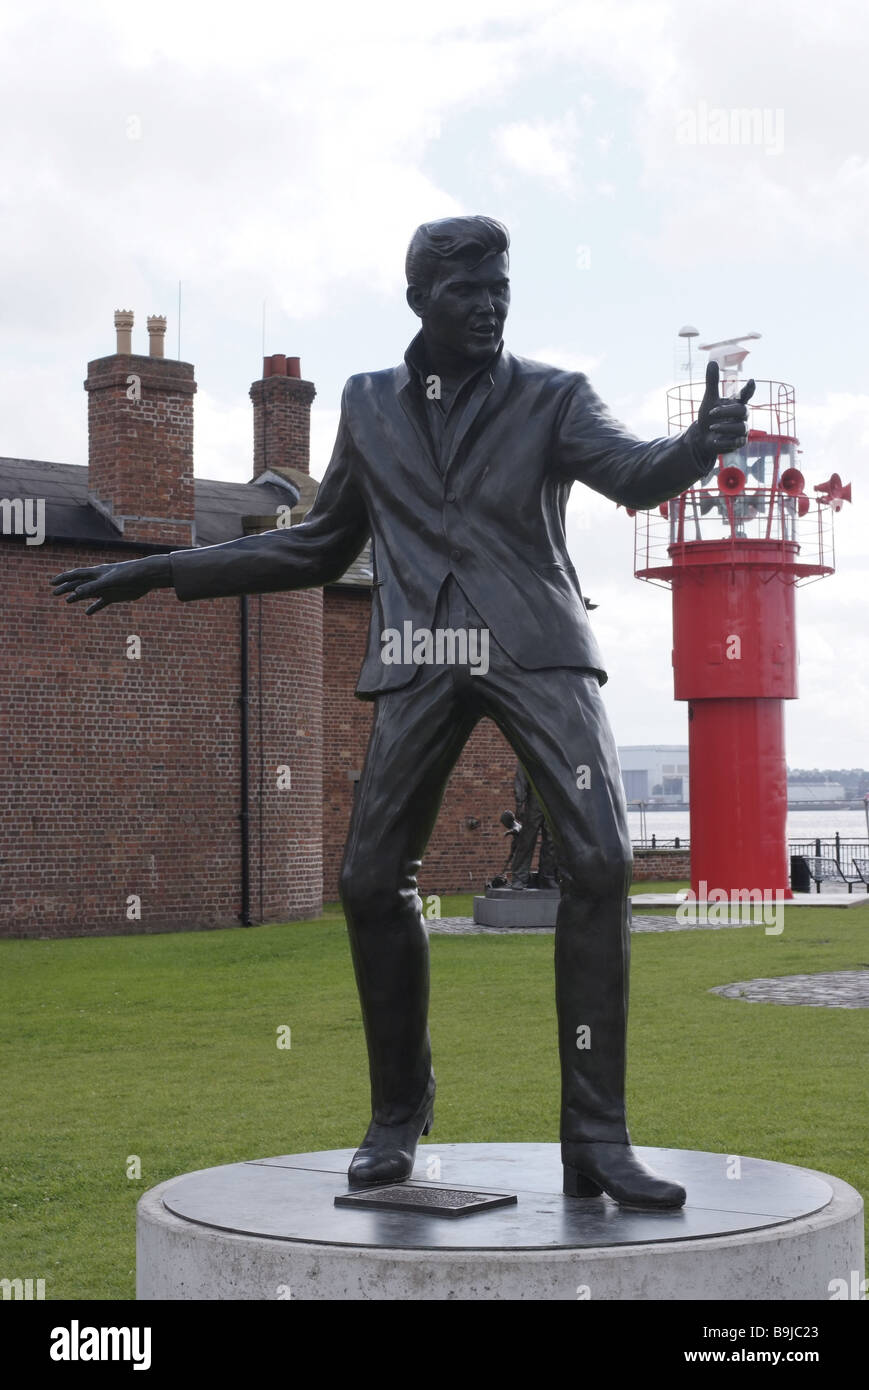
(576, 1185)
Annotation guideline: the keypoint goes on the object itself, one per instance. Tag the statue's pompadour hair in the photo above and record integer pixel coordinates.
(468, 240)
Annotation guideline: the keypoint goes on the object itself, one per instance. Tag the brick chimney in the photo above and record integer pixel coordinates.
(281, 416)
(140, 437)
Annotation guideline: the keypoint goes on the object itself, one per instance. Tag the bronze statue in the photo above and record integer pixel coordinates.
(532, 827)
(458, 463)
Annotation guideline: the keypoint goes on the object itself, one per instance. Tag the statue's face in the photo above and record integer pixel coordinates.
(465, 310)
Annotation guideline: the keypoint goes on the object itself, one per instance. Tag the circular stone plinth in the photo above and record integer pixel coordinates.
(269, 1229)
(831, 989)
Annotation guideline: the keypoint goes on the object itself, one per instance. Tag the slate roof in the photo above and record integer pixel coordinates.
(360, 575)
(70, 515)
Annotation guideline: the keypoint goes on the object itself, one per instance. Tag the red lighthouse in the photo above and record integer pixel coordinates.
(733, 549)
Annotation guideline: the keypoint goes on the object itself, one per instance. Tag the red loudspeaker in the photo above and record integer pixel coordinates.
(664, 509)
(834, 490)
(803, 505)
(731, 481)
(792, 482)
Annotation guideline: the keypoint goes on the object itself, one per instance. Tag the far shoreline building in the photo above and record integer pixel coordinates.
(655, 774)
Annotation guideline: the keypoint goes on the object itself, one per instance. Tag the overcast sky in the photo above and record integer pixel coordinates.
(283, 154)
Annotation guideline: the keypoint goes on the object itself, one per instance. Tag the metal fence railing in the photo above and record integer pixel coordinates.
(656, 842)
(833, 847)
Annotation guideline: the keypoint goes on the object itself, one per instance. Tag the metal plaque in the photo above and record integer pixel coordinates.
(430, 1201)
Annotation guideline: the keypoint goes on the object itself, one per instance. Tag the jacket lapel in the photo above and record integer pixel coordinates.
(411, 415)
(490, 390)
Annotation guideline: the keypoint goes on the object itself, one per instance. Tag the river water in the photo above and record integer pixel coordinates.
(801, 825)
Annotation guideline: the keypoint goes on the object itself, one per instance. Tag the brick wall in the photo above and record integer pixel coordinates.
(459, 858)
(346, 720)
(287, 631)
(122, 776)
(652, 865)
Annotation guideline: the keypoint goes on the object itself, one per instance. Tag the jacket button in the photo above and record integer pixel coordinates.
(451, 497)
(455, 555)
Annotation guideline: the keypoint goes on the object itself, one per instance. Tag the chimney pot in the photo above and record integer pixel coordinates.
(140, 442)
(156, 334)
(281, 416)
(124, 331)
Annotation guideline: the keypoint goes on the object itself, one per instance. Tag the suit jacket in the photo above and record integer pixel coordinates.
(493, 515)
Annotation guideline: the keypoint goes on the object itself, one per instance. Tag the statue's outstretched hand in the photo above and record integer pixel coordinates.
(119, 583)
(721, 423)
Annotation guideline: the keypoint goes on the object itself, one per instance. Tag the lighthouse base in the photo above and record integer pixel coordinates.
(739, 814)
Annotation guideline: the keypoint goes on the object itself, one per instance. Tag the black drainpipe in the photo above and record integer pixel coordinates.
(244, 814)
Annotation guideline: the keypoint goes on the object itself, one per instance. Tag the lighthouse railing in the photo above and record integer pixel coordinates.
(795, 532)
(771, 410)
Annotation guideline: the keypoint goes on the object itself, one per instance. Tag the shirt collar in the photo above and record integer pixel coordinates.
(415, 357)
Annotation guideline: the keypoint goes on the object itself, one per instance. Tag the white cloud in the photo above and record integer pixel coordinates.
(813, 195)
(268, 155)
(566, 359)
(542, 149)
(223, 439)
(286, 154)
(324, 427)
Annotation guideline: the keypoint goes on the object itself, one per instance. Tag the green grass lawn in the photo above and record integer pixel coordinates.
(164, 1048)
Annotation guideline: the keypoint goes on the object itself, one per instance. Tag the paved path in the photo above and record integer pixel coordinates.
(466, 926)
(834, 989)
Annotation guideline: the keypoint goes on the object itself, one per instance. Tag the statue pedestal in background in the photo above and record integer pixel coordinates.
(532, 907)
(504, 907)
(270, 1230)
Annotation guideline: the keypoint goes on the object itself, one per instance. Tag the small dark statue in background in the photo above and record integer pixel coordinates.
(531, 816)
(457, 464)
(525, 828)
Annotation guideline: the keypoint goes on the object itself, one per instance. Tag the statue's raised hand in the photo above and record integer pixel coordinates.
(721, 423)
(119, 583)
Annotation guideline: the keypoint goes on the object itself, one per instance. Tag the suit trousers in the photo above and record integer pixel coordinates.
(554, 720)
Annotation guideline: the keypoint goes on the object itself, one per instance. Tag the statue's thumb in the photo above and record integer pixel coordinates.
(711, 396)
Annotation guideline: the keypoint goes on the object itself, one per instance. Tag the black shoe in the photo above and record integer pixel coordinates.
(387, 1152)
(590, 1169)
